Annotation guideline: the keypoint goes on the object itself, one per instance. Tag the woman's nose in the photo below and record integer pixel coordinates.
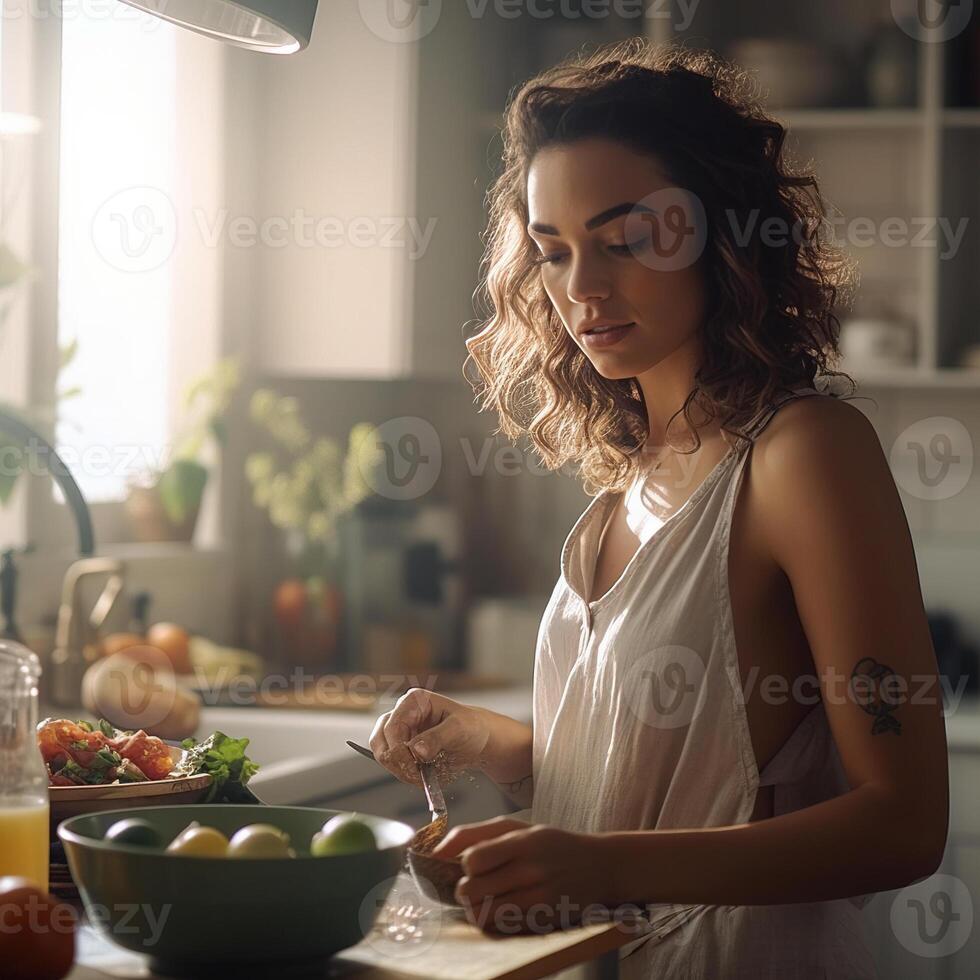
(586, 282)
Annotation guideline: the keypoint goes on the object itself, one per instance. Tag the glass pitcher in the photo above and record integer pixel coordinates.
(23, 776)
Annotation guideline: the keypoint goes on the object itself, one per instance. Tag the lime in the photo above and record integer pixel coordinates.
(133, 830)
(343, 834)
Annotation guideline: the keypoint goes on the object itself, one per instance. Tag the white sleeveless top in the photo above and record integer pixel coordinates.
(639, 724)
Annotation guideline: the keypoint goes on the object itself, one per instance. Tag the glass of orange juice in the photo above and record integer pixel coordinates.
(23, 775)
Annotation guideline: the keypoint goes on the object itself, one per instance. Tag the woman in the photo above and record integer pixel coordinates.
(722, 726)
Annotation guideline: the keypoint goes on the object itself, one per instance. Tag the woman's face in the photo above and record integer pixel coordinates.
(607, 259)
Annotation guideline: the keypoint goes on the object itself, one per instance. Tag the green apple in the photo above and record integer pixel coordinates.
(343, 834)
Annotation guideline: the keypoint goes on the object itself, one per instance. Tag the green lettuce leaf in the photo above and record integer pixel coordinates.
(224, 759)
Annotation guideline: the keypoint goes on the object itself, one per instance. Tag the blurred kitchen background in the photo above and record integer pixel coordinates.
(295, 242)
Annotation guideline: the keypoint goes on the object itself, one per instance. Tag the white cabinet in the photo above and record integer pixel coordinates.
(367, 157)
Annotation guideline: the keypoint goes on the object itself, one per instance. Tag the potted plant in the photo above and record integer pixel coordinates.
(307, 486)
(163, 503)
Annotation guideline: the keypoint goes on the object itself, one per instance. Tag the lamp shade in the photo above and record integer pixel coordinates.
(272, 26)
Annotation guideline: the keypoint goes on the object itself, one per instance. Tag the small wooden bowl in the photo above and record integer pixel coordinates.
(435, 877)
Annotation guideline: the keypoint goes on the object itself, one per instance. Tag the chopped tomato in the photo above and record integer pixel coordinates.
(61, 741)
(65, 738)
(147, 752)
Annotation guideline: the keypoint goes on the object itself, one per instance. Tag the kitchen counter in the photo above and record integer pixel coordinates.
(303, 753)
(450, 948)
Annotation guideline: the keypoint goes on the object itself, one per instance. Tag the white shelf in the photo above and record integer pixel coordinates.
(961, 118)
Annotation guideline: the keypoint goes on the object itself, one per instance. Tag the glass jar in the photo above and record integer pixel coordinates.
(24, 807)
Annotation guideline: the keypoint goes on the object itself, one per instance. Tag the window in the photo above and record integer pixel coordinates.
(117, 230)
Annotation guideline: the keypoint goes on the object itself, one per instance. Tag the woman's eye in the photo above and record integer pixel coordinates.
(548, 259)
(629, 247)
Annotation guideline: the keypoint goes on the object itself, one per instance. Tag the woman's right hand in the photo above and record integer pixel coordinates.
(423, 718)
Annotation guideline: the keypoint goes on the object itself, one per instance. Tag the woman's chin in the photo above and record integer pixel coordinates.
(614, 368)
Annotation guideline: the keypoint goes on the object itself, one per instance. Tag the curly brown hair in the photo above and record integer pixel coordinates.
(770, 322)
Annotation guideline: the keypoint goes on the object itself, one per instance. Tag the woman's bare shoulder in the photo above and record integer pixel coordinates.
(819, 429)
(820, 463)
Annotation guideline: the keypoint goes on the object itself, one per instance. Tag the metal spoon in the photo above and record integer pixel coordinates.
(430, 782)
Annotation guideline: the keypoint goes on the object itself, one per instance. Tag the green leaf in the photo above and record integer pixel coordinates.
(71, 769)
(224, 759)
(67, 353)
(181, 488)
(219, 429)
(106, 728)
(106, 759)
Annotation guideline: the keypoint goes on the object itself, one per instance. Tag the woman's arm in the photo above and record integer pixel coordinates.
(506, 759)
(834, 523)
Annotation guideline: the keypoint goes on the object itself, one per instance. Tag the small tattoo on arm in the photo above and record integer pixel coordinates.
(875, 675)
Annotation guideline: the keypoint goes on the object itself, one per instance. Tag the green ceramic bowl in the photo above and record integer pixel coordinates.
(196, 916)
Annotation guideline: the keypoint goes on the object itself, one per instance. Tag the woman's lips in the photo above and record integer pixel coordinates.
(606, 338)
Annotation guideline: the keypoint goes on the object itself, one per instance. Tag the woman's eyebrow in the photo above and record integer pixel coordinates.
(600, 219)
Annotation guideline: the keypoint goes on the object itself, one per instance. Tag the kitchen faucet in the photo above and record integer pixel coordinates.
(73, 647)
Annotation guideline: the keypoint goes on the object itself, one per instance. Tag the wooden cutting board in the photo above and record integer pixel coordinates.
(462, 951)
(363, 691)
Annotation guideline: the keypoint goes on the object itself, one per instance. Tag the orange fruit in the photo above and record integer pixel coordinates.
(289, 602)
(38, 938)
(116, 642)
(175, 642)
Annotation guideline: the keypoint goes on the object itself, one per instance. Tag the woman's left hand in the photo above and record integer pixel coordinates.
(526, 878)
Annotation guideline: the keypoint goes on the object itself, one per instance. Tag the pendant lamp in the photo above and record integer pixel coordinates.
(272, 26)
